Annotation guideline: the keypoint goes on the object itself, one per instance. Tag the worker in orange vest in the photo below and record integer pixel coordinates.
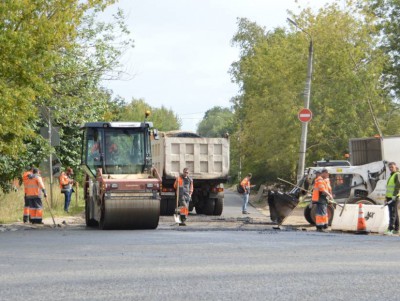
(320, 198)
(34, 191)
(185, 185)
(25, 176)
(66, 183)
(245, 183)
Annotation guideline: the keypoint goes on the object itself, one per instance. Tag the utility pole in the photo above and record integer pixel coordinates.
(307, 96)
(50, 162)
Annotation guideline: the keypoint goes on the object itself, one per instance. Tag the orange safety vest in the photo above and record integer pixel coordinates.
(179, 182)
(34, 186)
(64, 179)
(25, 176)
(245, 183)
(319, 187)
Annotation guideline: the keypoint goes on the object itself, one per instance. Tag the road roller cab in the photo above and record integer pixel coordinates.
(122, 187)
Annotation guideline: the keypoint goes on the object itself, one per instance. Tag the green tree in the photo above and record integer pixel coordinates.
(216, 122)
(271, 72)
(387, 14)
(162, 118)
(53, 57)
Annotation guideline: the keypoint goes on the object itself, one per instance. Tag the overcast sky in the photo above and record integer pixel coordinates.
(183, 50)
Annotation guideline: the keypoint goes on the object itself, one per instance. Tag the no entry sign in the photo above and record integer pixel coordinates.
(305, 115)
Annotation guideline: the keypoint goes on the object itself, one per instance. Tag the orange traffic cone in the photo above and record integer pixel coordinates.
(361, 224)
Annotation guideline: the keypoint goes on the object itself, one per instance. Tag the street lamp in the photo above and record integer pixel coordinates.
(307, 94)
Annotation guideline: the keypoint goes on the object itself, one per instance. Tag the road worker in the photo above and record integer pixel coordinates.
(34, 190)
(25, 175)
(66, 183)
(185, 185)
(320, 198)
(392, 199)
(245, 183)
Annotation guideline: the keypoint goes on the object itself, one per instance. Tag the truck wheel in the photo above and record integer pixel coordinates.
(307, 215)
(199, 210)
(209, 207)
(163, 206)
(89, 221)
(330, 210)
(219, 206)
(365, 201)
(171, 206)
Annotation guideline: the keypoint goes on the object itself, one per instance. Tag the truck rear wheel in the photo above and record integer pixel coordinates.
(163, 206)
(199, 210)
(209, 207)
(219, 206)
(171, 206)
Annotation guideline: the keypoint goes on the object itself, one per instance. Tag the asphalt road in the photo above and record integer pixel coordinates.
(188, 263)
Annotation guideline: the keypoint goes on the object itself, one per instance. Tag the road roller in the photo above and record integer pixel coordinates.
(121, 187)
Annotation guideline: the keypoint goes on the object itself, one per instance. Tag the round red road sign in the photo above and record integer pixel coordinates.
(305, 115)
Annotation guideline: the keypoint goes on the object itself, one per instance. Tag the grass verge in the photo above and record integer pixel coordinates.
(12, 204)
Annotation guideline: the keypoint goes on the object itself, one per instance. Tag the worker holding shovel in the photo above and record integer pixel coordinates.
(184, 189)
(321, 195)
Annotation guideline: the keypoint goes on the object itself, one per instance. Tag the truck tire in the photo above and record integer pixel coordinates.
(307, 215)
(89, 221)
(330, 210)
(219, 206)
(209, 207)
(171, 206)
(361, 200)
(163, 206)
(199, 210)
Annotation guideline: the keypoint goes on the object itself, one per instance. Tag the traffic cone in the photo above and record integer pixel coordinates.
(361, 224)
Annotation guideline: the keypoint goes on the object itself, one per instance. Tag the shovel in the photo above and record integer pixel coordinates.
(177, 216)
(51, 213)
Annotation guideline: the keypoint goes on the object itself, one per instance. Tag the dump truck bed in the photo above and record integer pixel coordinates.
(206, 158)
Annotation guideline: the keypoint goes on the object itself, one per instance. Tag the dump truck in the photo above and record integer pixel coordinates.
(208, 163)
(121, 186)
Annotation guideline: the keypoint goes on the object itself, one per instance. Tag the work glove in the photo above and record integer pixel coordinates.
(45, 195)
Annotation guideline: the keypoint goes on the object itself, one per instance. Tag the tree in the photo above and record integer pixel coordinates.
(216, 122)
(53, 56)
(162, 118)
(387, 14)
(271, 72)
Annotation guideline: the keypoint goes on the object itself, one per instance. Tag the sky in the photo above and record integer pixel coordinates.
(183, 50)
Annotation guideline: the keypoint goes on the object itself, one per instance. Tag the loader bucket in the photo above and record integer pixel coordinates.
(280, 205)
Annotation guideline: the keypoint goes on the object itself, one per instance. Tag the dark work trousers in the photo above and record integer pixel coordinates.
(321, 213)
(35, 210)
(393, 215)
